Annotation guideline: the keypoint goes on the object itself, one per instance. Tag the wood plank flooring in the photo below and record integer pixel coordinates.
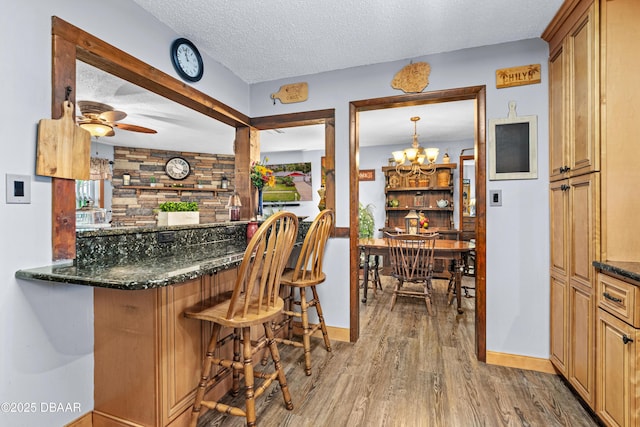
(410, 369)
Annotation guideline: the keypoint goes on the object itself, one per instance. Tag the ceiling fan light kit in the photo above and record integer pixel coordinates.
(97, 128)
(100, 119)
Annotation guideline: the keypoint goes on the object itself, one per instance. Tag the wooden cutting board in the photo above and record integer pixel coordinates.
(64, 149)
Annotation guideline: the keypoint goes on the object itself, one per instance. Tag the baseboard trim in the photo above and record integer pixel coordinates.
(336, 334)
(520, 362)
(84, 421)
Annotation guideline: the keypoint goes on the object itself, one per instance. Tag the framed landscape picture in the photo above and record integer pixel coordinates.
(293, 184)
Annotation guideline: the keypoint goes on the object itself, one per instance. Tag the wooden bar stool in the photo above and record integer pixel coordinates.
(255, 301)
(307, 274)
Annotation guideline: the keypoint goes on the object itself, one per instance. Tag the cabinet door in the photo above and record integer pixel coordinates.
(559, 323)
(558, 150)
(618, 390)
(584, 222)
(559, 227)
(182, 347)
(582, 46)
(581, 345)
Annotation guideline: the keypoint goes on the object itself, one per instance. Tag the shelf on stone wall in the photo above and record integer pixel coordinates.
(140, 188)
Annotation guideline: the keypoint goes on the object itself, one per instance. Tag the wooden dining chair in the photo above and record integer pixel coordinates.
(411, 257)
(255, 301)
(306, 275)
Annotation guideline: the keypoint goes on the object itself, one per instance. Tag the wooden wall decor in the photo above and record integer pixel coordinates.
(295, 92)
(518, 76)
(413, 78)
(63, 147)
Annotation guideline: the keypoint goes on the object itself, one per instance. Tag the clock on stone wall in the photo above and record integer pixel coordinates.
(177, 168)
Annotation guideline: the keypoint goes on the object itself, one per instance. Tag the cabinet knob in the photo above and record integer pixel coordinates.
(626, 339)
(564, 187)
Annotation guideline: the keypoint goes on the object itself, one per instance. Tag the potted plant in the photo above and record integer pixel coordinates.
(152, 181)
(178, 213)
(366, 222)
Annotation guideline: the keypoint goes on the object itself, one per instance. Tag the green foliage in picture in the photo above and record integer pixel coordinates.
(179, 206)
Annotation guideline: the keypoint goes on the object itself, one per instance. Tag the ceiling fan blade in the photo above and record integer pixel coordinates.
(113, 115)
(134, 128)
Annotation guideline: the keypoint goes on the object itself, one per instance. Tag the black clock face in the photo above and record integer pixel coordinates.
(177, 168)
(187, 60)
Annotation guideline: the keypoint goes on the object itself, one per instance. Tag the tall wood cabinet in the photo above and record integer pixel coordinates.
(419, 192)
(574, 193)
(593, 103)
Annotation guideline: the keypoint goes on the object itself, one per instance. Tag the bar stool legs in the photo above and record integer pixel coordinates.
(246, 368)
(307, 328)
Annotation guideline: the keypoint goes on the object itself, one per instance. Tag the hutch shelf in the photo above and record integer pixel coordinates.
(420, 192)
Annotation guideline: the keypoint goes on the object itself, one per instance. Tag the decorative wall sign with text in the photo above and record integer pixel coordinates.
(413, 78)
(518, 76)
(295, 92)
(367, 174)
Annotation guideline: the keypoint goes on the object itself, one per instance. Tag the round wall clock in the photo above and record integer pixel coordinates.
(187, 60)
(177, 168)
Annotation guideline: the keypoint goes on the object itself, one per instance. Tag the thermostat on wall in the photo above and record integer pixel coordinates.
(18, 188)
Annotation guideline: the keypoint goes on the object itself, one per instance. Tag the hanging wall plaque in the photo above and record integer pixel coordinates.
(295, 92)
(413, 78)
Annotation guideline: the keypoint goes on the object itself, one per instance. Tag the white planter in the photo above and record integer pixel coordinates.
(178, 218)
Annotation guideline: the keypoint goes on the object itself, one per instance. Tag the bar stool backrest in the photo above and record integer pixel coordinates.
(257, 286)
(309, 264)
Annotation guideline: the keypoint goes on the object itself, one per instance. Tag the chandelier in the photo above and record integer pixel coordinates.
(416, 156)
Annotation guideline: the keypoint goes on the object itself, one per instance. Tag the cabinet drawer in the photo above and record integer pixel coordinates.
(618, 298)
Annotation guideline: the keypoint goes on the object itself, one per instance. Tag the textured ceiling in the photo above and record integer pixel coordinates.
(275, 39)
(268, 40)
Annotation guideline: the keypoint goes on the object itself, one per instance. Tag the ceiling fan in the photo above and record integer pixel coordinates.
(100, 119)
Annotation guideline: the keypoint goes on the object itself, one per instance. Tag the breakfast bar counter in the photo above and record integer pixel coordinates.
(151, 273)
(147, 354)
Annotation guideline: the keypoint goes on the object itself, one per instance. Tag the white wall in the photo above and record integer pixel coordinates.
(517, 232)
(46, 330)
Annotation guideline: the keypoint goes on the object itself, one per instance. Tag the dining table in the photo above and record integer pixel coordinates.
(455, 250)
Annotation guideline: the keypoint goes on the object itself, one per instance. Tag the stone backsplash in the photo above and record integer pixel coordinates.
(126, 246)
(133, 205)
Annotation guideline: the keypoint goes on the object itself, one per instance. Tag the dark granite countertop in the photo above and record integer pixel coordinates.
(149, 257)
(152, 273)
(630, 270)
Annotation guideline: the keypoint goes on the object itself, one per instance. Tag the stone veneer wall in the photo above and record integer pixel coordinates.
(134, 206)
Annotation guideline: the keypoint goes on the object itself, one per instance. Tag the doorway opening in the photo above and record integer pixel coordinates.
(478, 95)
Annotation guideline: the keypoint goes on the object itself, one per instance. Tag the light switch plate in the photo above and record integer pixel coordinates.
(495, 197)
(18, 188)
